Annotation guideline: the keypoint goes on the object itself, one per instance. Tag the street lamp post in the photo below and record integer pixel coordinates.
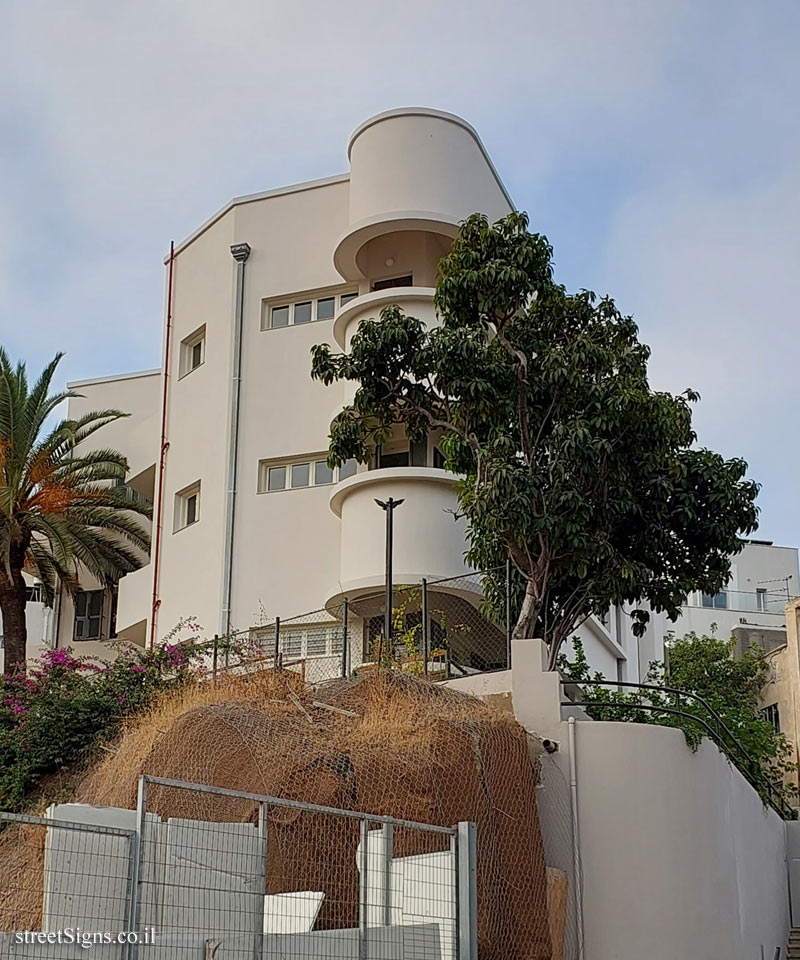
(388, 506)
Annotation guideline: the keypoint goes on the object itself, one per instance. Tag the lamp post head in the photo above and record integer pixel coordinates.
(389, 504)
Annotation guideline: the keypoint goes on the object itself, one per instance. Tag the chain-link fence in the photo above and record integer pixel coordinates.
(266, 877)
(66, 886)
(439, 629)
(215, 873)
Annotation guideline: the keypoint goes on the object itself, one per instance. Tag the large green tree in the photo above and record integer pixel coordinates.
(61, 507)
(571, 464)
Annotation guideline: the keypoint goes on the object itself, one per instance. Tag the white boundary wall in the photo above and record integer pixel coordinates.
(679, 858)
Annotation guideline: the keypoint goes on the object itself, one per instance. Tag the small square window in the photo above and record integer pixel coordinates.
(322, 473)
(302, 312)
(193, 352)
(326, 308)
(348, 469)
(317, 642)
(300, 473)
(279, 317)
(291, 643)
(276, 478)
(187, 506)
(346, 298)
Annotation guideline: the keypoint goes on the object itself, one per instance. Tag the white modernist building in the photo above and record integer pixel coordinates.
(229, 439)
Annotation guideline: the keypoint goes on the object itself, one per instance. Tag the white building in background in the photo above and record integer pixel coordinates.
(253, 524)
(764, 578)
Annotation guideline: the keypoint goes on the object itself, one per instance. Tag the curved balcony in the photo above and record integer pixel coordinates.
(415, 169)
(429, 538)
(416, 301)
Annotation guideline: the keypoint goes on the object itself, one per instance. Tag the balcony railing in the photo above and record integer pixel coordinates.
(744, 600)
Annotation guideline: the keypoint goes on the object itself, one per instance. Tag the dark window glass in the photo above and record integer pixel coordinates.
(419, 454)
(302, 312)
(407, 281)
(322, 473)
(348, 469)
(191, 509)
(397, 458)
(276, 479)
(438, 458)
(326, 308)
(346, 298)
(88, 614)
(197, 354)
(280, 317)
(300, 474)
(772, 715)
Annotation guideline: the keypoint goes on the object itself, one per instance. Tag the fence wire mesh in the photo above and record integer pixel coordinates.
(439, 629)
(269, 878)
(65, 887)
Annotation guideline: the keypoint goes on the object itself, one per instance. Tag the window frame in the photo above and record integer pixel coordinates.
(310, 460)
(313, 297)
(187, 352)
(87, 617)
(772, 714)
(182, 498)
(334, 639)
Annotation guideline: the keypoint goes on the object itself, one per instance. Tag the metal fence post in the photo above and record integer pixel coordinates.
(467, 892)
(345, 638)
(363, 893)
(388, 853)
(262, 843)
(214, 657)
(135, 909)
(508, 613)
(277, 658)
(426, 640)
(130, 890)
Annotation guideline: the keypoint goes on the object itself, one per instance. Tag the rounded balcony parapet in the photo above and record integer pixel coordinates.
(389, 475)
(374, 302)
(429, 532)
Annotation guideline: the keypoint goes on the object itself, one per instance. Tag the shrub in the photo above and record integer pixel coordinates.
(67, 706)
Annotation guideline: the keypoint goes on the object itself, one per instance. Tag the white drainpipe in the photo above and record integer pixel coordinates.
(240, 253)
(576, 844)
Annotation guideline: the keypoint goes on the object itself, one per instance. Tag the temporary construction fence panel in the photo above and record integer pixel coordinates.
(266, 877)
(67, 884)
(228, 886)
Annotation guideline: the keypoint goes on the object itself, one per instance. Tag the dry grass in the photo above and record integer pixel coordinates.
(392, 744)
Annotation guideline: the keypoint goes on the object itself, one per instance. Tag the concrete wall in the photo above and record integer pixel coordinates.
(680, 858)
(678, 855)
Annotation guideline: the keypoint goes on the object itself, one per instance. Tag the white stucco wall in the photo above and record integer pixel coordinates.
(678, 855)
(680, 858)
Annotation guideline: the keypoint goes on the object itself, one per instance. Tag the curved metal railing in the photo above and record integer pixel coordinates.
(733, 749)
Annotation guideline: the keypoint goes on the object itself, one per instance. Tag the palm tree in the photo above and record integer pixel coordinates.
(62, 507)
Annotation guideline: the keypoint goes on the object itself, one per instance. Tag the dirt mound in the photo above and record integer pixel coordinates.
(382, 743)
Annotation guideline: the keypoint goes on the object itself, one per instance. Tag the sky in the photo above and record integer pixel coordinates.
(656, 144)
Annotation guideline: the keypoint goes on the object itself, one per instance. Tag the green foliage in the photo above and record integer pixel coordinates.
(727, 687)
(67, 706)
(570, 463)
(61, 506)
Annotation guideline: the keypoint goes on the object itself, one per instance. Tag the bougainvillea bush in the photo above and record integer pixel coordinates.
(67, 706)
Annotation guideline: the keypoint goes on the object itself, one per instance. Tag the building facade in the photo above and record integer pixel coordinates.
(229, 439)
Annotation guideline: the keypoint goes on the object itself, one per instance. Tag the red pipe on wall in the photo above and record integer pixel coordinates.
(162, 456)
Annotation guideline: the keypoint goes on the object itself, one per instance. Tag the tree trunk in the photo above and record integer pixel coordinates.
(13, 600)
(528, 615)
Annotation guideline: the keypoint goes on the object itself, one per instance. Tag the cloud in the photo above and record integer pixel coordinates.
(655, 143)
(712, 278)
